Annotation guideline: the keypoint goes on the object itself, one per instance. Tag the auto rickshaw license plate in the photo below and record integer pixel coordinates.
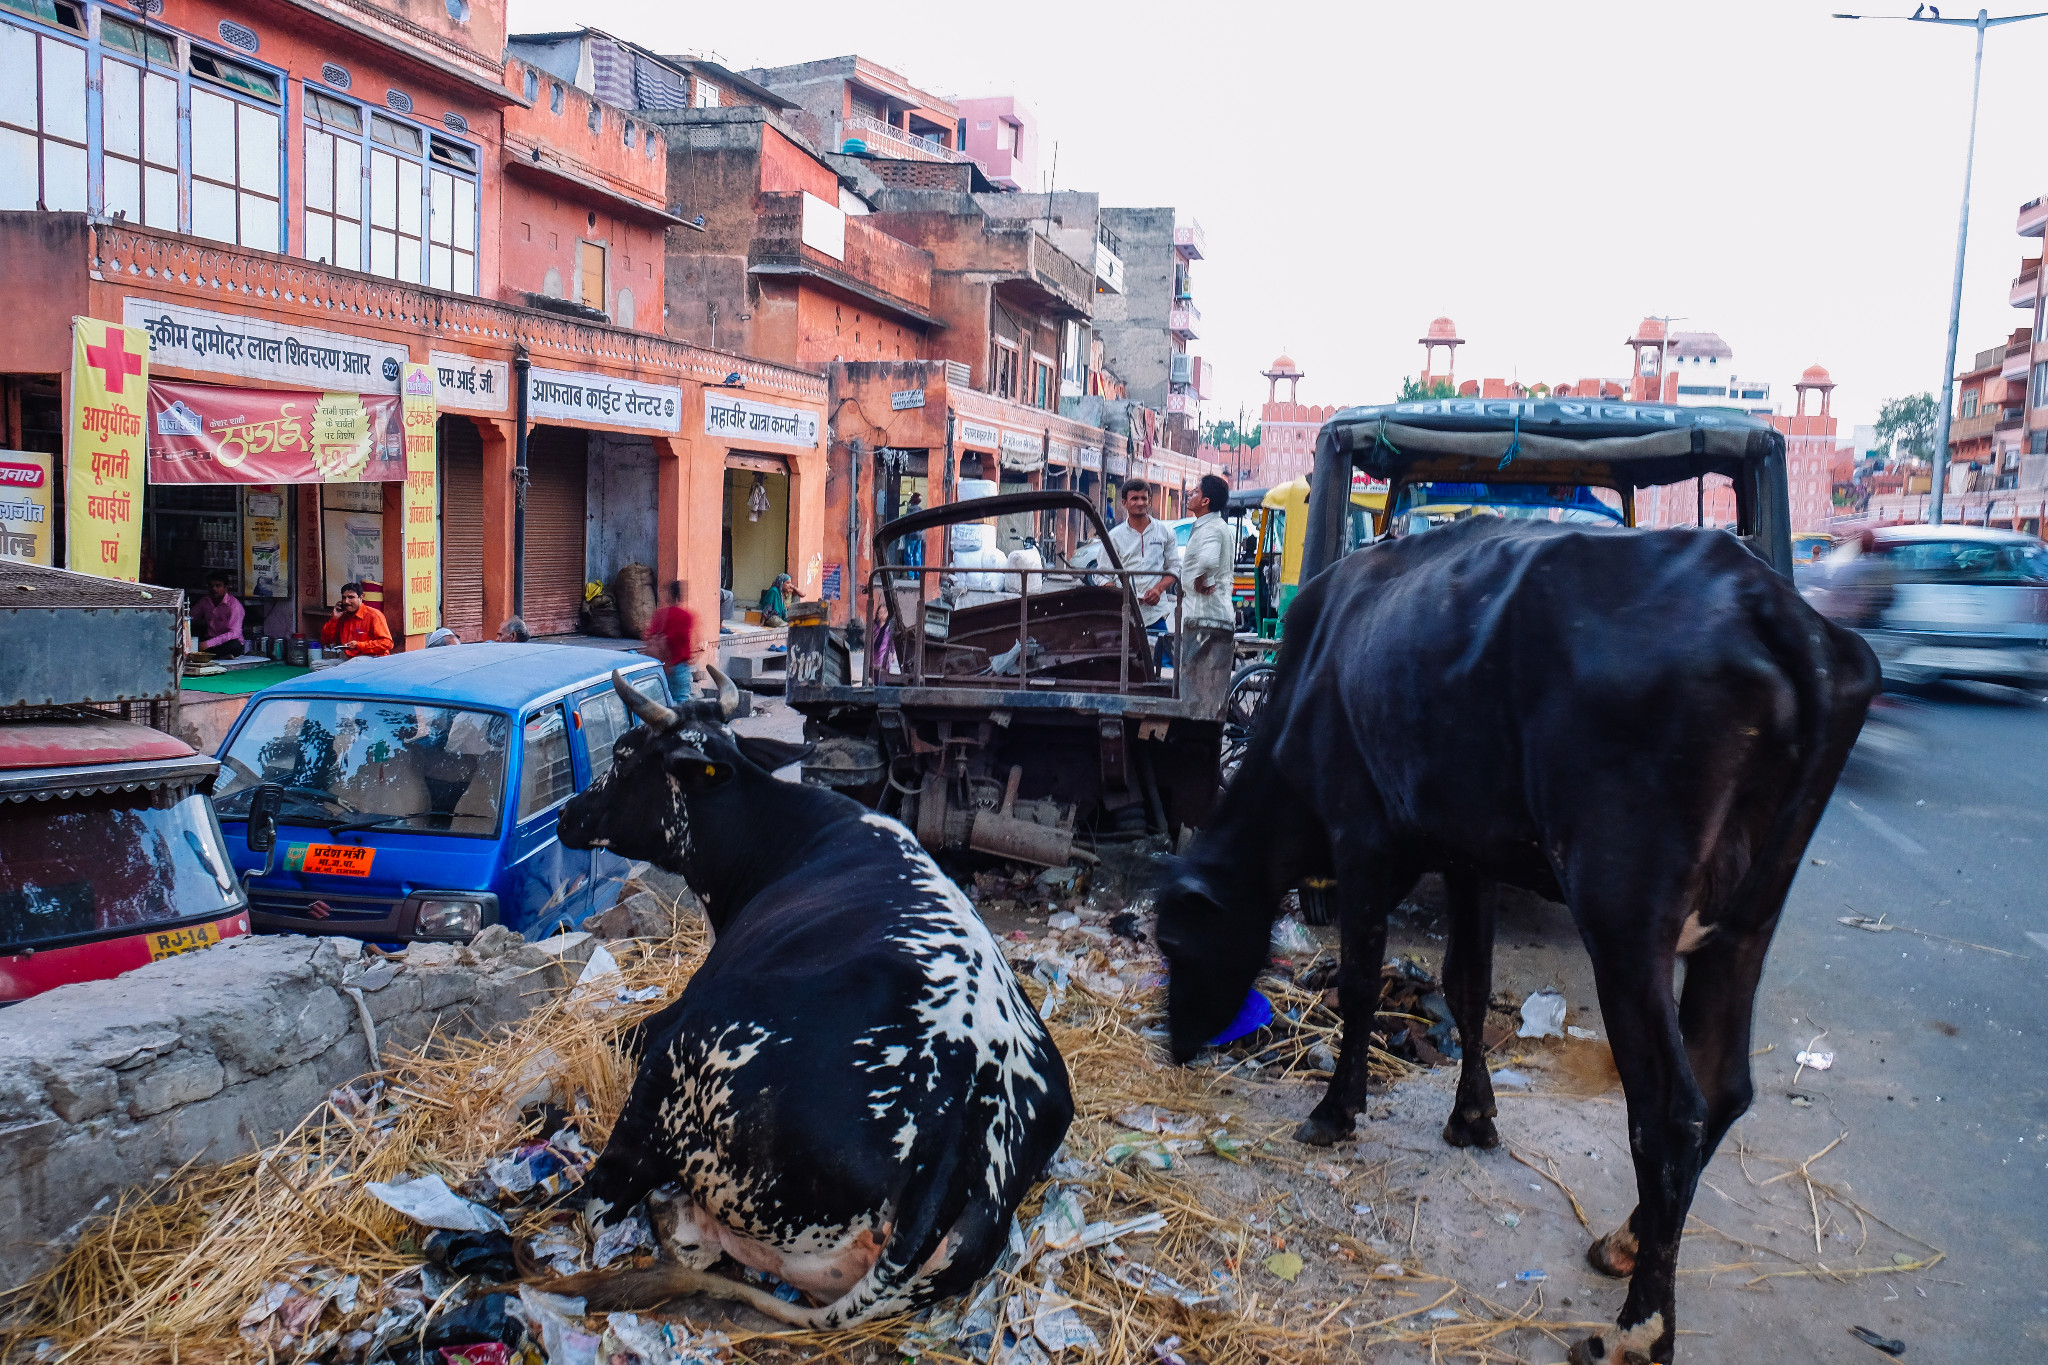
(175, 941)
(330, 860)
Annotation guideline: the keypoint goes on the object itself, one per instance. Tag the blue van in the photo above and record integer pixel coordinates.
(421, 790)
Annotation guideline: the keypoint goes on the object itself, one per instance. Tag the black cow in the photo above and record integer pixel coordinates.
(852, 1092)
(1644, 725)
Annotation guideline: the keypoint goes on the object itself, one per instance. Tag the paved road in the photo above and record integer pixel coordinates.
(1940, 1075)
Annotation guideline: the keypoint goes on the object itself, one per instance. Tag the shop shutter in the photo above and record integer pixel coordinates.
(556, 497)
(462, 529)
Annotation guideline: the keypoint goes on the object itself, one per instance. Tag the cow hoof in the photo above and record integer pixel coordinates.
(1460, 1131)
(1317, 1131)
(1614, 1254)
(1593, 1351)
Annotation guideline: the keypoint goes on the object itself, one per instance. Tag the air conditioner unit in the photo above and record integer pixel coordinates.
(958, 373)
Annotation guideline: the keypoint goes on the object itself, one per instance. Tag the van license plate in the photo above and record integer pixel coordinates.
(334, 860)
(176, 941)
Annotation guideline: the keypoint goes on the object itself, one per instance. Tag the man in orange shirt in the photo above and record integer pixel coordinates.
(359, 630)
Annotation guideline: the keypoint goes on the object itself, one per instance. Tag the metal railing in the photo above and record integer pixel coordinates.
(912, 147)
(889, 587)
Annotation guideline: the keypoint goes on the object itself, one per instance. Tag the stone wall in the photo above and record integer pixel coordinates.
(110, 1083)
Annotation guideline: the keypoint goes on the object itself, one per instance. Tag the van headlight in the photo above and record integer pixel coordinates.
(453, 915)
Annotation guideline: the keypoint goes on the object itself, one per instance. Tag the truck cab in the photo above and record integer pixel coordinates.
(421, 791)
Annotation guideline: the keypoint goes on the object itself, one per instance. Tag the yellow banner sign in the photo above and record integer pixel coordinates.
(103, 448)
(26, 477)
(422, 504)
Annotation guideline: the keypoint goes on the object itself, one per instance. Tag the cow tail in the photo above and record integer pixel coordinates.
(1808, 651)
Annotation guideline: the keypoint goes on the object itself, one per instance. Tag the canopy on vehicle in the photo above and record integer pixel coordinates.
(1630, 445)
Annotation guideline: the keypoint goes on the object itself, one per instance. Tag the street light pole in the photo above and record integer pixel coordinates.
(1938, 486)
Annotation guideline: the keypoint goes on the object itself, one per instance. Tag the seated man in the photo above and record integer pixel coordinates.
(217, 619)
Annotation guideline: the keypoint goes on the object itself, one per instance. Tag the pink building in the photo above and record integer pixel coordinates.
(1287, 428)
(1001, 133)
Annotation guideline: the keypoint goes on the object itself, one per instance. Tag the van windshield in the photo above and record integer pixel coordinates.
(82, 867)
(371, 764)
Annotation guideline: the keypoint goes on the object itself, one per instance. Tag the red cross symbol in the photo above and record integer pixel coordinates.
(114, 359)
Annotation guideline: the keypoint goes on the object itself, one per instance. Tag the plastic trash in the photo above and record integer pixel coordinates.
(623, 1238)
(1542, 1016)
(1442, 1315)
(1891, 1346)
(1060, 1223)
(561, 1339)
(476, 1353)
(1290, 936)
(1816, 1061)
(429, 1201)
(1284, 1265)
(1256, 1013)
(490, 1318)
(486, 1255)
(1062, 920)
(1509, 1076)
(1531, 1276)
(1059, 1328)
(1582, 1034)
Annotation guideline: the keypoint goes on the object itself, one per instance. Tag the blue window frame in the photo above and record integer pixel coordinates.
(388, 196)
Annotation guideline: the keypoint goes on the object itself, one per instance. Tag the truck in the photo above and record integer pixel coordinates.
(110, 853)
(1017, 712)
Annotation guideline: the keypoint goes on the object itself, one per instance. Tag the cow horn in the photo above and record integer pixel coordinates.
(657, 716)
(728, 695)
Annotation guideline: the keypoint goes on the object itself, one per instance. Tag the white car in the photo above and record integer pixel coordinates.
(1966, 602)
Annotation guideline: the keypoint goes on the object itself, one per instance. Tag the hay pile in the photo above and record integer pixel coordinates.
(182, 1272)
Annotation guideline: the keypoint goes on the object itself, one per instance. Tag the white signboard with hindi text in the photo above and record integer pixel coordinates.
(250, 347)
(746, 422)
(467, 384)
(576, 399)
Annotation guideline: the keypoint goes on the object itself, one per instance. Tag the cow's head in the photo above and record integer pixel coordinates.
(1214, 950)
(684, 792)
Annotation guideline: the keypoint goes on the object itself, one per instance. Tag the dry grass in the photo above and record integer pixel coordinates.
(167, 1276)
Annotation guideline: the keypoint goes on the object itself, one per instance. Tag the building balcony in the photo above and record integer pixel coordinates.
(2019, 358)
(1182, 401)
(1189, 240)
(1109, 267)
(885, 140)
(1976, 428)
(2027, 287)
(1183, 320)
(869, 264)
(2033, 217)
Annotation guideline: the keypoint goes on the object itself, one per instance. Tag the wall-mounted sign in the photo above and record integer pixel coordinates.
(266, 542)
(744, 421)
(903, 399)
(208, 433)
(466, 384)
(1022, 450)
(26, 478)
(422, 591)
(565, 396)
(258, 348)
(979, 435)
(103, 449)
(824, 227)
(1059, 452)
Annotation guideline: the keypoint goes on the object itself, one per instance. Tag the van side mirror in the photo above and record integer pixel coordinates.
(265, 804)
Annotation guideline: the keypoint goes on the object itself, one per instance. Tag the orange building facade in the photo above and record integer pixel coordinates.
(306, 196)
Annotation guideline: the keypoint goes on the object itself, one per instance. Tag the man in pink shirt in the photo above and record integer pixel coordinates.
(217, 618)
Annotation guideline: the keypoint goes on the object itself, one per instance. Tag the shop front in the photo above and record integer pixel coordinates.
(770, 452)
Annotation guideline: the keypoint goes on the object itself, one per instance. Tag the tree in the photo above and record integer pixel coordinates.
(1225, 435)
(1415, 391)
(1908, 423)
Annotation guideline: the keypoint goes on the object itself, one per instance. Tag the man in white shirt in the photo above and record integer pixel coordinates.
(1210, 562)
(1143, 544)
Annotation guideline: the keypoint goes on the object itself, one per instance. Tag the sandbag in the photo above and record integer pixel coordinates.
(634, 589)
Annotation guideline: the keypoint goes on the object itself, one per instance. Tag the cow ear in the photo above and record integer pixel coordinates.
(696, 770)
(772, 754)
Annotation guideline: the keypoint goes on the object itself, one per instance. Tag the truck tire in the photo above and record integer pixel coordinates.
(1318, 896)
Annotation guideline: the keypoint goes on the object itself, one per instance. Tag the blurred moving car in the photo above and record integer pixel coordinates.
(1936, 602)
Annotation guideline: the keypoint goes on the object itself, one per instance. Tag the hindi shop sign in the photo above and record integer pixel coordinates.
(746, 422)
(207, 433)
(259, 348)
(422, 595)
(26, 478)
(575, 399)
(1022, 450)
(463, 382)
(103, 449)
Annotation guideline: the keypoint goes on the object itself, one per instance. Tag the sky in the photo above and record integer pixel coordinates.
(1545, 175)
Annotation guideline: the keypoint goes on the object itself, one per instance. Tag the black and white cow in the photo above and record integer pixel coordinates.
(1645, 725)
(852, 1093)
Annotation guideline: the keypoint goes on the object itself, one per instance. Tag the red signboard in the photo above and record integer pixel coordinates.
(208, 433)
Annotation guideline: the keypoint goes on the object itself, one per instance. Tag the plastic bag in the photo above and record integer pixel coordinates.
(1542, 1016)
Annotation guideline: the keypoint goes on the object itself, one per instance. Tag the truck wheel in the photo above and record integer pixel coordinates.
(1318, 901)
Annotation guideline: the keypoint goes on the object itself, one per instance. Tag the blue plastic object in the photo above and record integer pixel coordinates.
(1255, 1015)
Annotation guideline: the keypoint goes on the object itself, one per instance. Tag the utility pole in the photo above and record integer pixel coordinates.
(1939, 484)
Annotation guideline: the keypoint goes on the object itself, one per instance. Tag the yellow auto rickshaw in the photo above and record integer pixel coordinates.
(1268, 581)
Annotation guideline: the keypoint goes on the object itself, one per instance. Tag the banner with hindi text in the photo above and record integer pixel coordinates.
(422, 596)
(103, 449)
(27, 480)
(211, 433)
